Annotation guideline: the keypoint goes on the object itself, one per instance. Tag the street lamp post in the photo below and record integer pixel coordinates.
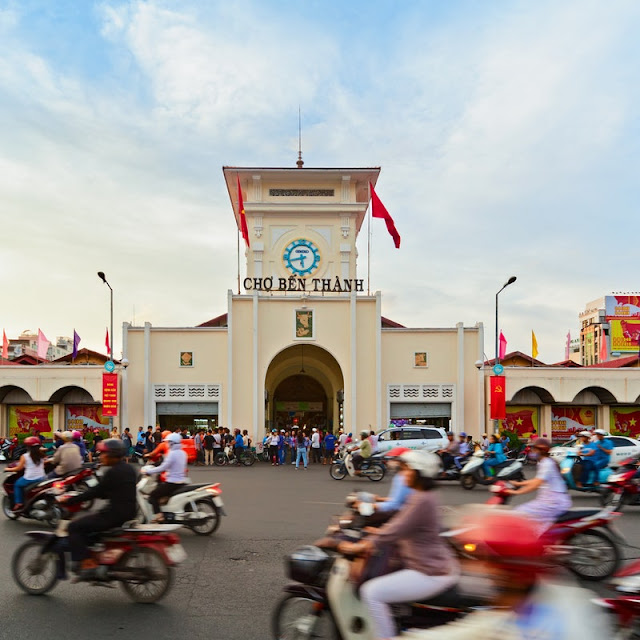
(104, 279)
(511, 280)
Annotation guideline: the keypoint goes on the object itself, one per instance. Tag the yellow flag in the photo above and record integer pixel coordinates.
(534, 345)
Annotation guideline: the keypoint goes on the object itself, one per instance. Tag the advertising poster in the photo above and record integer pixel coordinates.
(625, 421)
(567, 421)
(85, 416)
(31, 418)
(521, 420)
(625, 334)
(622, 306)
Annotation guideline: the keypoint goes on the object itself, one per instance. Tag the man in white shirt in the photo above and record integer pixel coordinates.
(342, 438)
(373, 439)
(315, 446)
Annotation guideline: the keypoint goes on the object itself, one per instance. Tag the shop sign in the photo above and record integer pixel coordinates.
(109, 394)
(313, 285)
(625, 334)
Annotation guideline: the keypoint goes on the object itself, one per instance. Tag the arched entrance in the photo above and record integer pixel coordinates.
(303, 387)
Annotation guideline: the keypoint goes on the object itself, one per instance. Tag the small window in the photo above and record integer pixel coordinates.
(411, 434)
(431, 434)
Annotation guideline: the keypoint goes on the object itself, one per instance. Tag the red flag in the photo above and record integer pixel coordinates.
(602, 356)
(5, 345)
(107, 343)
(243, 218)
(498, 397)
(502, 350)
(378, 210)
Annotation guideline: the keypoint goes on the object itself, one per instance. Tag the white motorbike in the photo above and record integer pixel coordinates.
(473, 472)
(198, 507)
(372, 468)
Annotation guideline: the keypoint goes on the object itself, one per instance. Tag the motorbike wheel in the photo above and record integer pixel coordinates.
(151, 578)
(209, 509)
(467, 481)
(610, 498)
(378, 473)
(337, 471)
(6, 508)
(247, 459)
(220, 459)
(34, 572)
(56, 515)
(595, 556)
(296, 617)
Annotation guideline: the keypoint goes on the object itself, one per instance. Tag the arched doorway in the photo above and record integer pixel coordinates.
(303, 387)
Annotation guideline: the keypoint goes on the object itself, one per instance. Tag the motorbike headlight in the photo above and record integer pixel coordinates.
(616, 477)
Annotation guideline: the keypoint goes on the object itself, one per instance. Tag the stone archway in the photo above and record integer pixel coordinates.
(302, 387)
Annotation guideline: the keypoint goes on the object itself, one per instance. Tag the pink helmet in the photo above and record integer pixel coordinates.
(76, 435)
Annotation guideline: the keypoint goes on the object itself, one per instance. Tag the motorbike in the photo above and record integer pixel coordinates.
(372, 468)
(198, 507)
(571, 469)
(10, 450)
(587, 538)
(473, 472)
(322, 602)
(622, 487)
(141, 557)
(625, 606)
(227, 457)
(40, 498)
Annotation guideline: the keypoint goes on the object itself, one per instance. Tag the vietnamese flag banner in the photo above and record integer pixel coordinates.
(498, 398)
(109, 394)
(33, 419)
(521, 420)
(625, 421)
(378, 210)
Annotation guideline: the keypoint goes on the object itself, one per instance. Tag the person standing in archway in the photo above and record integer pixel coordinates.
(315, 446)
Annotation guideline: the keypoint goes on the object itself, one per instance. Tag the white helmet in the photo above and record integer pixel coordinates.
(600, 432)
(425, 463)
(174, 439)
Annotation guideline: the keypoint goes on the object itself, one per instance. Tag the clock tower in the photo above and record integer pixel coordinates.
(303, 224)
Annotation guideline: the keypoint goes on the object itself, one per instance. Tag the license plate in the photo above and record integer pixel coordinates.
(176, 553)
(92, 482)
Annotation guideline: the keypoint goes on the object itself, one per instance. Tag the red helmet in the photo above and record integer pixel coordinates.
(396, 451)
(166, 433)
(506, 539)
(32, 441)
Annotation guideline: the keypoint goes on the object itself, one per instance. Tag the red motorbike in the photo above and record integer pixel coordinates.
(626, 606)
(622, 486)
(141, 557)
(40, 498)
(588, 537)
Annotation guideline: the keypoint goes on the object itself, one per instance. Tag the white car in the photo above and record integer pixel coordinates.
(413, 437)
(623, 449)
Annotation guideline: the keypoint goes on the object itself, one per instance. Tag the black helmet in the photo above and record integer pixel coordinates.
(112, 447)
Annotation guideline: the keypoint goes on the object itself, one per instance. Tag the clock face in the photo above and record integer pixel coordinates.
(301, 257)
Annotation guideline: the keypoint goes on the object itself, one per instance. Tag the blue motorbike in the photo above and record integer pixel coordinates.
(571, 470)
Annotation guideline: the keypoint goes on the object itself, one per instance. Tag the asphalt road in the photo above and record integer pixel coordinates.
(231, 581)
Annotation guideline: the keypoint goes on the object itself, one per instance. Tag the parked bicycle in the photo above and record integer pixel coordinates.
(227, 457)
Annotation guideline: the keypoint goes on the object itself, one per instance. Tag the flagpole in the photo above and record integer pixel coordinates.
(238, 238)
(369, 246)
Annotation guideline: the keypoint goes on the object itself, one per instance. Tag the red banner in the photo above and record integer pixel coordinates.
(498, 401)
(109, 394)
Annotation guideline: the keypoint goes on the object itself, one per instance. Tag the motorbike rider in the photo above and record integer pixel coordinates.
(449, 453)
(79, 442)
(175, 464)
(428, 564)
(495, 455)
(161, 450)
(118, 486)
(553, 496)
(67, 457)
(32, 463)
(528, 602)
(595, 456)
(364, 451)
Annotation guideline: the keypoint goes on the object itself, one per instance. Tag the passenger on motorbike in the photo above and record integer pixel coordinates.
(67, 457)
(161, 450)
(118, 486)
(464, 451)
(364, 450)
(595, 456)
(449, 453)
(553, 496)
(32, 463)
(428, 564)
(79, 442)
(527, 602)
(175, 464)
(495, 455)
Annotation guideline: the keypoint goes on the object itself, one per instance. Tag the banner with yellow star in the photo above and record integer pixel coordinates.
(34, 419)
(521, 420)
(625, 421)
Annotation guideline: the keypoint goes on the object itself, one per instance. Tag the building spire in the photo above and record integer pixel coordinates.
(300, 161)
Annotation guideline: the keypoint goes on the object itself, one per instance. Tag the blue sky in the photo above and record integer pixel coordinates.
(507, 133)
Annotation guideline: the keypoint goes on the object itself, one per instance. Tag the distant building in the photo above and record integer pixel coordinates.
(26, 344)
